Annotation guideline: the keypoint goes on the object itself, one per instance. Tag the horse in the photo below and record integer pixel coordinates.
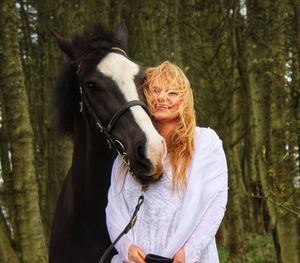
(99, 102)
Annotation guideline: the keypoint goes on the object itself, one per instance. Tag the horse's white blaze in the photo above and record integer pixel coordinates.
(123, 72)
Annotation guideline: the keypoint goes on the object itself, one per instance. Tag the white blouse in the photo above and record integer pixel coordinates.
(170, 219)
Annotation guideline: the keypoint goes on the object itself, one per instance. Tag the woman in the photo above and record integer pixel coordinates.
(181, 212)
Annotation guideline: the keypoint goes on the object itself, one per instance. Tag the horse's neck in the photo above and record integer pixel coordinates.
(92, 161)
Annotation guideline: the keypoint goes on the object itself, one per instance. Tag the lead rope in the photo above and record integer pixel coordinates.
(128, 227)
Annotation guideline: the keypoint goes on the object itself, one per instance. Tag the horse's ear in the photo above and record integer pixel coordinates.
(65, 45)
(121, 35)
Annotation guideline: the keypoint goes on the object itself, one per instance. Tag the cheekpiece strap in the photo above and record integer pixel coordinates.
(122, 110)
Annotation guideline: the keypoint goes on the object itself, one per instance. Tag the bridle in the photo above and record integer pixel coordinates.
(114, 143)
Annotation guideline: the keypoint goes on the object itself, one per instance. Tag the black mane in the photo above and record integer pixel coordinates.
(66, 99)
(89, 48)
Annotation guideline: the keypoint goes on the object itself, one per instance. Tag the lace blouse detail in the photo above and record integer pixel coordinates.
(197, 246)
(159, 214)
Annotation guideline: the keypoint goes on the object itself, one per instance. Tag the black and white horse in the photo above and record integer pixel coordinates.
(99, 99)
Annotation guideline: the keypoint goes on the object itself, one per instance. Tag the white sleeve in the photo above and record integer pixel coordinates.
(123, 244)
(117, 216)
(206, 228)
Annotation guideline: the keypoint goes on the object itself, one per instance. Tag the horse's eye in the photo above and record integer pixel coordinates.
(89, 84)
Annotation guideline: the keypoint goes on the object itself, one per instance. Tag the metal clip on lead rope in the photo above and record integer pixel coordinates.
(129, 225)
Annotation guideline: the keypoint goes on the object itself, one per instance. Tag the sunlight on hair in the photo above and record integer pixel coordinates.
(181, 144)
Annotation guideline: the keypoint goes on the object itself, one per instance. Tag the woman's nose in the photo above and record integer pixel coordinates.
(162, 95)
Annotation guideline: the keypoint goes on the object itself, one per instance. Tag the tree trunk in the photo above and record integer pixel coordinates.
(30, 229)
(284, 187)
(237, 196)
(258, 93)
(6, 172)
(251, 178)
(7, 253)
(154, 38)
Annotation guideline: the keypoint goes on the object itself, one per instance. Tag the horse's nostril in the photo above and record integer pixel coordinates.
(142, 163)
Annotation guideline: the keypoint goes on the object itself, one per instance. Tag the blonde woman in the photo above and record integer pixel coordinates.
(182, 211)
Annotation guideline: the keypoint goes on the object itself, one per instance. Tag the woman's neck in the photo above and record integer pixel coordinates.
(165, 129)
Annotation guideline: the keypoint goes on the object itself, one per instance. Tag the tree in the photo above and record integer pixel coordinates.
(243, 61)
(29, 228)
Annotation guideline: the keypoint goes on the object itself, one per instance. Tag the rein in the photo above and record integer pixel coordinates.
(116, 144)
(128, 227)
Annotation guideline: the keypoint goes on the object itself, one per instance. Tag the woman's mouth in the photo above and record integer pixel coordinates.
(163, 107)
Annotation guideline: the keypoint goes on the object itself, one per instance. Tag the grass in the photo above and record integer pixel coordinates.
(260, 249)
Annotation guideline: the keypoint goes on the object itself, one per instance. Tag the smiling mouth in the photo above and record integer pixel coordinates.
(163, 107)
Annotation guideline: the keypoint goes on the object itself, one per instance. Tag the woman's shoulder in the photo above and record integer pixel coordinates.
(206, 134)
(206, 139)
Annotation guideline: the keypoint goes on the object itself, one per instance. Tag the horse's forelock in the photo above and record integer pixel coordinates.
(92, 46)
(94, 43)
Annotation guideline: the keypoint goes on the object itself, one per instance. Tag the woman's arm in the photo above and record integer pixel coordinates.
(116, 212)
(123, 244)
(126, 250)
(206, 229)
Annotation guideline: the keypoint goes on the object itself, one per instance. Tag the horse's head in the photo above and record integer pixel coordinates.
(112, 97)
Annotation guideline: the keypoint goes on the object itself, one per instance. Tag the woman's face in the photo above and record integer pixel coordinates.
(166, 102)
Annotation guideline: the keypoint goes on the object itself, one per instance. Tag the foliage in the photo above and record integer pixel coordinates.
(260, 250)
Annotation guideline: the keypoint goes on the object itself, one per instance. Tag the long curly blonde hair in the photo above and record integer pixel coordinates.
(181, 140)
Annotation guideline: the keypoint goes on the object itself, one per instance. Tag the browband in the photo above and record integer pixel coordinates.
(120, 50)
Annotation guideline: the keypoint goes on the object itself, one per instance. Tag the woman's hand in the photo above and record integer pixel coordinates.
(136, 254)
(179, 256)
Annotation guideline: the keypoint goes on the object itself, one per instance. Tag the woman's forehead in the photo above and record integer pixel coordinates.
(160, 83)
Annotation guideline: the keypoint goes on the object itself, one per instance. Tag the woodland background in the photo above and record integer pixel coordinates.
(243, 60)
